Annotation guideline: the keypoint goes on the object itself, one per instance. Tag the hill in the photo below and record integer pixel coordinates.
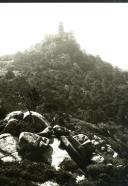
(75, 90)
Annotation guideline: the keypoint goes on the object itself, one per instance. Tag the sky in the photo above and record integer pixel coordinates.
(100, 28)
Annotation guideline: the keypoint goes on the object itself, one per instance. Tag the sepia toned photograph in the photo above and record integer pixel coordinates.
(63, 94)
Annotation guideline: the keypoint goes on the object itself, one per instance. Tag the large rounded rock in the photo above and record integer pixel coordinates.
(35, 147)
(35, 120)
(17, 122)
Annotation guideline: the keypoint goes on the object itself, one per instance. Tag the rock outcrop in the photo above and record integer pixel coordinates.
(28, 137)
(35, 147)
(100, 149)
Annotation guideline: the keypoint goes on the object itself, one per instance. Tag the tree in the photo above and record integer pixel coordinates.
(9, 75)
(32, 99)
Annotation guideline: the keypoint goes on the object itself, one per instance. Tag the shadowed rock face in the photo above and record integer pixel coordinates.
(36, 120)
(36, 115)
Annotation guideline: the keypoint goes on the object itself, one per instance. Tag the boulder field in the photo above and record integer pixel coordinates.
(28, 136)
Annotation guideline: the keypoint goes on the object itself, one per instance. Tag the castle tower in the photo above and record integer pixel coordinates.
(61, 29)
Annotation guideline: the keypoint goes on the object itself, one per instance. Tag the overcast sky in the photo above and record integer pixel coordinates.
(100, 28)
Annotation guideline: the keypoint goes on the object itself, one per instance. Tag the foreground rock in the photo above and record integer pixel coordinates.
(35, 147)
(8, 148)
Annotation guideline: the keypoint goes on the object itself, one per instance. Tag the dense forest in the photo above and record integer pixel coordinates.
(69, 87)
